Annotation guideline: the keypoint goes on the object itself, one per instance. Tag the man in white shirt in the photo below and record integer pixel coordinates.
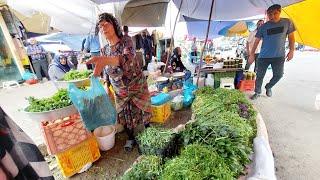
(250, 43)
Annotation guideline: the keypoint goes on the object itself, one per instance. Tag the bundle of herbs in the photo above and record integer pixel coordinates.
(209, 101)
(59, 100)
(158, 141)
(77, 75)
(197, 162)
(227, 133)
(149, 168)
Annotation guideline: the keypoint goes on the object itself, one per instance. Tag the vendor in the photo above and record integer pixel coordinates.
(59, 67)
(175, 61)
(194, 50)
(126, 77)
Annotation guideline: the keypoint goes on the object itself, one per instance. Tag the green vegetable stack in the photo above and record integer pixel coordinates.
(76, 75)
(149, 168)
(157, 141)
(197, 162)
(59, 100)
(217, 144)
(225, 120)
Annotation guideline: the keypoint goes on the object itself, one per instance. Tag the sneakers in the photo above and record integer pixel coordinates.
(268, 92)
(255, 96)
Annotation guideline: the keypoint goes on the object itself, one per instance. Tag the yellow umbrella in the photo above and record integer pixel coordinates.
(305, 16)
(240, 29)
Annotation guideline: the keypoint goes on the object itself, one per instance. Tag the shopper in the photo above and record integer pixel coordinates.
(126, 77)
(92, 46)
(147, 48)
(273, 35)
(38, 58)
(194, 50)
(59, 67)
(249, 45)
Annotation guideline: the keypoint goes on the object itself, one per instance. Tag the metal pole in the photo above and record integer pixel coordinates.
(205, 42)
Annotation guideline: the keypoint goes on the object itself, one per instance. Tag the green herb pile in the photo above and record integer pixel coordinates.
(59, 100)
(148, 168)
(197, 162)
(154, 139)
(224, 120)
(76, 75)
(217, 144)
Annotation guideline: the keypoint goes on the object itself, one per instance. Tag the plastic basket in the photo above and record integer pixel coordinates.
(63, 134)
(219, 75)
(73, 160)
(247, 85)
(160, 114)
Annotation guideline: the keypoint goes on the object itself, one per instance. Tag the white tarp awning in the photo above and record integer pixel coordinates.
(227, 9)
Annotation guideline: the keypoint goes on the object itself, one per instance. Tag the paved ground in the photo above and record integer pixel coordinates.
(292, 120)
(290, 116)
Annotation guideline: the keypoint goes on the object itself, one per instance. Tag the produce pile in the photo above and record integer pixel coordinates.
(149, 167)
(76, 75)
(59, 100)
(217, 144)
(157, 141)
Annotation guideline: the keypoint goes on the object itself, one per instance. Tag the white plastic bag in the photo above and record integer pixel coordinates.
(177, 103)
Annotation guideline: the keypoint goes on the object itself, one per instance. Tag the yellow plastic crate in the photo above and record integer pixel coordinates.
(160, 114)
(72, 160)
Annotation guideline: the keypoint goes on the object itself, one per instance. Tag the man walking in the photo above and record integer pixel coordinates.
(273, 35)
(38, 59)
(249, 44)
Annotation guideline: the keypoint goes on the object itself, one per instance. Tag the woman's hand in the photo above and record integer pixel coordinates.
(100, 62)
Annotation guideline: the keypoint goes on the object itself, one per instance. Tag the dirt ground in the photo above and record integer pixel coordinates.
(116, 161)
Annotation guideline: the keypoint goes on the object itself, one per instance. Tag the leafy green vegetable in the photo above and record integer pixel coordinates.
(155, 140)
(76, 75)
(227, 133)
(197, 162)
(155, 137)
(59, 100)
(148, 168)
(225, 120)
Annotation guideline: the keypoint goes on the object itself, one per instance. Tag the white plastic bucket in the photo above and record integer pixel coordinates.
(105, 136)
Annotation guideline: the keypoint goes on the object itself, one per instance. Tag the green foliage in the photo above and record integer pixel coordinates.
(76, 75)
(59, 100)
(197, 162)
(149, 168)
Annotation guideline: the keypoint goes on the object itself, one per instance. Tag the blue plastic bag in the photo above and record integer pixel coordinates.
(28, 75)
(160, 99)
(188, 95)
(93, 105)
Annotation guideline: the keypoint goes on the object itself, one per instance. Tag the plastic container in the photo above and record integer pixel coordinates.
(74, 159)
(160, 114)
(53, 114)
(61, 84)
(210, 80)
(200, 83)
(247, 85)
(105, 136)
(63, 134)
(177, 103)
(219, 75)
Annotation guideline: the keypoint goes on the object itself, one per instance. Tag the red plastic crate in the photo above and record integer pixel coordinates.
(247, 85)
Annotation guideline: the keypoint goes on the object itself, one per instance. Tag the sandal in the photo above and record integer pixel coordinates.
(129, 145)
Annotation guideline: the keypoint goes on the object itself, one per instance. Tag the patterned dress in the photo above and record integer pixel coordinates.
(130, 86)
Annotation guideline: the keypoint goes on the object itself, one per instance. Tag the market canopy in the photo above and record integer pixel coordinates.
(145, 13)
(227, 9)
